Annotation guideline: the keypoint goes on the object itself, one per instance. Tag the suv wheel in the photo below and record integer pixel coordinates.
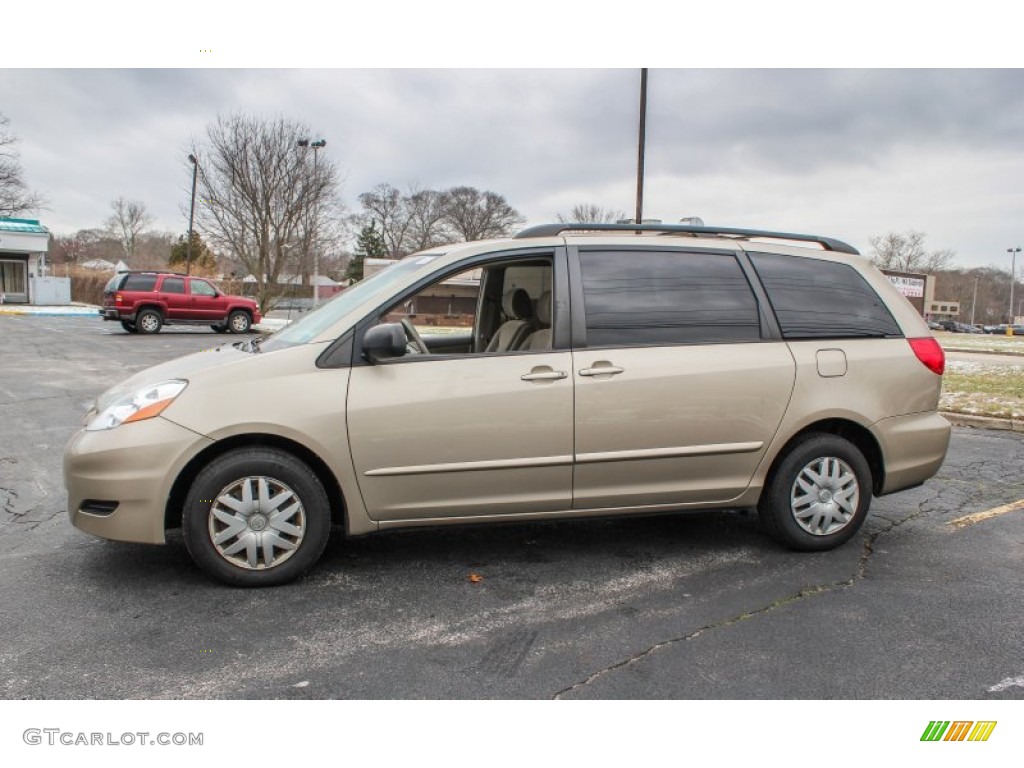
(149, 321)
(256, 517)
(818, 496)
(239, 321)
(130, 327)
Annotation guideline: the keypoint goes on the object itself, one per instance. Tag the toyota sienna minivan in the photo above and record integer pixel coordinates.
(570, 371)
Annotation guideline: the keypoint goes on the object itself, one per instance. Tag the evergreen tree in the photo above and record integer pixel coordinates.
(203, 260)
(369, 245)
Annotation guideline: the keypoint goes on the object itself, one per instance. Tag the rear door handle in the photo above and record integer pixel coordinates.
(601, 370)
(543, 375)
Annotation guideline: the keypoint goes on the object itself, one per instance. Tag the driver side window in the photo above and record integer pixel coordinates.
(498, 308)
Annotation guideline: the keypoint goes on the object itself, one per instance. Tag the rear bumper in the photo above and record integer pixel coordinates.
(913, 448)
(110, 313)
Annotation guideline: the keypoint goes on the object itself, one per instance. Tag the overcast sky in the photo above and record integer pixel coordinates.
(846, 153)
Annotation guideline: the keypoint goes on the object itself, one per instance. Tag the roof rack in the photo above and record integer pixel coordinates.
(551, 230)
(152, 272)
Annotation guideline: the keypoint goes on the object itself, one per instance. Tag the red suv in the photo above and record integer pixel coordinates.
(146, 301)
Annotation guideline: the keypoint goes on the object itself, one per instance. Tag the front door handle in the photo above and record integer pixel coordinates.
(601, 370)
(542, 375)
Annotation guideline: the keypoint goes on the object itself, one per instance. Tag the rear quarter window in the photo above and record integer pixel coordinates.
(139, 283)
(816, 299)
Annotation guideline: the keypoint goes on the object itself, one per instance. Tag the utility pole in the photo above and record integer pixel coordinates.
(641, 147)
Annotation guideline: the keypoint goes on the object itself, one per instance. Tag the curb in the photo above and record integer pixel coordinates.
(982, 351)
(983, 422)
(75, 312)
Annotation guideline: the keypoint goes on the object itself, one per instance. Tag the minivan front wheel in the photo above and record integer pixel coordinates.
(818, 496)
(256, 517)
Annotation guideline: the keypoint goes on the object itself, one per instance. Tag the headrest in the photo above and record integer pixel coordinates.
(517, 304)
(544, 308)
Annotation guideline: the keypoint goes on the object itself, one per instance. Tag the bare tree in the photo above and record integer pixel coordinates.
(15, 196)
(126, 223)
(475, 215)
(426, 209)
(589, 213)
(905, 252)
(386, 208)
(257, 193)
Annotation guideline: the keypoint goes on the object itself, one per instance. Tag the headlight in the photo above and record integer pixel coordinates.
(141, 404)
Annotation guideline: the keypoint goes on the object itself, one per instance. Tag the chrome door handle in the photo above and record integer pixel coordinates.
(604, 370)
(543, 376)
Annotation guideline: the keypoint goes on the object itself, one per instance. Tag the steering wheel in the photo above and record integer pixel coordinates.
(414, 336)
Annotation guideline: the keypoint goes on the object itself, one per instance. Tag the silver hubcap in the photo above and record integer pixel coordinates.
(257, 523)
(238, 323)
(825, 496)
(149, 323)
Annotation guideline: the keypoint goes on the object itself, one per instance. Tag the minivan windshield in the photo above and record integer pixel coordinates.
(322, 317)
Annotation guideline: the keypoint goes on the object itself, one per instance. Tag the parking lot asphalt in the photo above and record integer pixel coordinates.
(691, 606)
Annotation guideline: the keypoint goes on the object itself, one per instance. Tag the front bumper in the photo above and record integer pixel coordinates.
(135, 466)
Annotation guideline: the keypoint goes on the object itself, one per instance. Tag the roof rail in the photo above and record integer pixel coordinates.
(551, 230)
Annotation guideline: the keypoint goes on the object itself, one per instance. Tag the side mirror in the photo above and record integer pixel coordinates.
(384, 341)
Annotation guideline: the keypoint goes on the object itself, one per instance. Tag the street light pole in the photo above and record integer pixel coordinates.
(316, 146)
(974, 301)
(191, 215)
(1013, 276)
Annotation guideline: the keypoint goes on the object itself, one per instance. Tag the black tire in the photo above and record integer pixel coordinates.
(220, 328)
(804, 522)
(130, 327)
(221, 478)
(239, 321)
(148, 321)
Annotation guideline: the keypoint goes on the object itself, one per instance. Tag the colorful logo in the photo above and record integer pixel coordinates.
(958, 730)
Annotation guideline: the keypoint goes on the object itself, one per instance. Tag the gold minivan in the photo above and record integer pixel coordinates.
(570, 371)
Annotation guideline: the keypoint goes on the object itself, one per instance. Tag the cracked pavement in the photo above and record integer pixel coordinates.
(691, 606)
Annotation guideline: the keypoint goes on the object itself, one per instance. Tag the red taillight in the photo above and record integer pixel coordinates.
(117, 298)
(930, 353)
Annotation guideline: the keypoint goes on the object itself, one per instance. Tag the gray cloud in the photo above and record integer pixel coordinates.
(849, 152)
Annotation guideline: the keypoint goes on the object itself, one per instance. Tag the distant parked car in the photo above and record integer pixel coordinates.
(1018, 330)
(935, 326)
(144, 302)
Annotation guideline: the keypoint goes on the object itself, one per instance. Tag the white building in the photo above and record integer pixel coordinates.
(23, 246)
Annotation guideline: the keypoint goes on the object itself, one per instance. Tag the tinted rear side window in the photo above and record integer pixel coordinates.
(173, 285)
(139, 283)
(666, 297)
(815, 299)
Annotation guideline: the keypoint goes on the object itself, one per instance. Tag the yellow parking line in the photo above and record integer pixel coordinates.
(977, 517)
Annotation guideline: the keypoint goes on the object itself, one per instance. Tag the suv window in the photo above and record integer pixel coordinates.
(173, 285)
(634, 298)
(202, 288)
(139, 283)
(815, 299)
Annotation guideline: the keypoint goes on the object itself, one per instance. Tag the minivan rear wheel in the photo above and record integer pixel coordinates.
(256, 517)
(818, 496)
